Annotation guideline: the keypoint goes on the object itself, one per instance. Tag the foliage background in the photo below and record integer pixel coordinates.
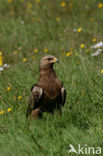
(30, 29)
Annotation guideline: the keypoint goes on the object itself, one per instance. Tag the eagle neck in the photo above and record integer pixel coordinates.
(47, 72)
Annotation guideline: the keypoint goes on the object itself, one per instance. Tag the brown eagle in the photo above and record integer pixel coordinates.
(48, 94)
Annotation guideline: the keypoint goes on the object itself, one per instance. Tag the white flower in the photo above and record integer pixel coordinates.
(5, 66)
(1, 68)
(97, 52)
(75, 30)
(98, 45)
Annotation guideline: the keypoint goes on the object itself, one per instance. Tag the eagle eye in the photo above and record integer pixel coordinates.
(49, 59)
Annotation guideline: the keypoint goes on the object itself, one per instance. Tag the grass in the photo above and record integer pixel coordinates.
(29, 25)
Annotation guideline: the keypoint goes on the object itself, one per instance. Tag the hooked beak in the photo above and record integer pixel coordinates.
(54, 60)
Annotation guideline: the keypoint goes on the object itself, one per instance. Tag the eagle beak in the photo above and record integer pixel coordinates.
(54, 60)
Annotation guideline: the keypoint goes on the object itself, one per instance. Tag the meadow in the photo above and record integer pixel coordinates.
(29, 30)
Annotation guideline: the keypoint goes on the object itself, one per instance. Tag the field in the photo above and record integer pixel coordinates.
(29, 30)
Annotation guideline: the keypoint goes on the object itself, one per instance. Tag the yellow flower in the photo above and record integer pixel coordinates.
(58, 18)
(1, 63)
(2, 112)
(82, 45)
(0, 53)
(15, 52)
(9, 109)
(87, 50)
(8, 89)
(1, 60)
(37, 1)
(94, 39)
(63, 4)
(92, 19)
(29, 5)
(10, 1)
(79, 29)
(45, 50)
(24, 59)
(38, 19)
(102, 71)
(68, 54)
(19, 97)
(100, 5)
(35, 50)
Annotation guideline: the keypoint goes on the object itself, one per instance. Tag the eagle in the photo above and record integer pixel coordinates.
(48, 94)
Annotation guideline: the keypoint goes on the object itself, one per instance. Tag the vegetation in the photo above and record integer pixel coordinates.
(30, 29)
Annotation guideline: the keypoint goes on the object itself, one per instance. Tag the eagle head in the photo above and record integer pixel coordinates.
(48, 61)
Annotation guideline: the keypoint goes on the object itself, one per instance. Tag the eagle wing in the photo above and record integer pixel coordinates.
(34, 99)
(63, 95)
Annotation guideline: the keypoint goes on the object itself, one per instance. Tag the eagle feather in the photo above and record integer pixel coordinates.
(48, 94)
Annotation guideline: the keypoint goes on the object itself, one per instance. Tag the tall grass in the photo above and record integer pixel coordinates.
(29, 25)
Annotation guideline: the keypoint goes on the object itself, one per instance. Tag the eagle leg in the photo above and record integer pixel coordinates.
(36, 113)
